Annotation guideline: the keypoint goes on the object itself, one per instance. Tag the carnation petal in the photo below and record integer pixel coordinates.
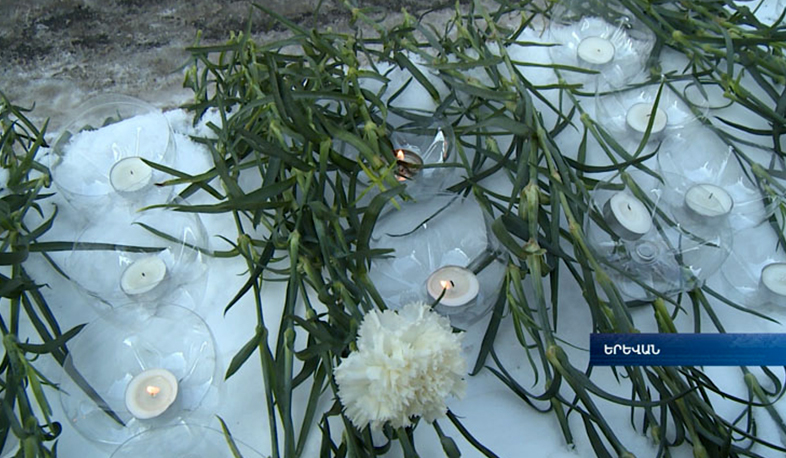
(406, 364)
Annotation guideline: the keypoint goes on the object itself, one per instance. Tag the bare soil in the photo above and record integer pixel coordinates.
(58, 53)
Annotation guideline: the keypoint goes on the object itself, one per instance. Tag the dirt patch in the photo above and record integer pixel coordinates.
(137, 47)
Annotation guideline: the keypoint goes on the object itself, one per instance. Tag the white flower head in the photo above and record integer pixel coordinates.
(405, 366)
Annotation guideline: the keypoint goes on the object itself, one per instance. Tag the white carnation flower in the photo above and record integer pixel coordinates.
(405, 366)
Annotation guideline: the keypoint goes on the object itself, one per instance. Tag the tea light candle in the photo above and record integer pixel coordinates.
(150, 393)
(638, 117)
(130, 174)
(143, 275)
(408, 164)
(595, 50)
(460, 285)
(708, 200)
(627, 216)
(773, 277)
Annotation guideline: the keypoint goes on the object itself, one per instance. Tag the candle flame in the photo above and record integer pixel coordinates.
(153, 390)
(400, 155)
(446, 284)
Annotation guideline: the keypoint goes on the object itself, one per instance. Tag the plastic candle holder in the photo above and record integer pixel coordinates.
(138, 368)
(101, 168)
(621, 230)
(701, 174)
(157, 255)
(183, 440)
(443, 249)
(755, 274)
(615, 46)
(706, 96)
(627, 114)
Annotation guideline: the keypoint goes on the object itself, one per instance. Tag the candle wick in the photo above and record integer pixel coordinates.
(453, 285)
(629, 209)
(153, 390)
(711, 194)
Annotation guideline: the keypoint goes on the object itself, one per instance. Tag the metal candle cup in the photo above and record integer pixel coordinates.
(627, 216)
(408, 164)
(773, 278)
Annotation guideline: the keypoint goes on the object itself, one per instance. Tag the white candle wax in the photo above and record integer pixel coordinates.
(708, 200)
(638, 117)
(143, 275)
(773, 276)
(627, 216)
(130, 174)
(150, 393)
(595, 50)
(459, 284)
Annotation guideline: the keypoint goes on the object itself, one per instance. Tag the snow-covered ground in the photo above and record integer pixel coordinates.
(493, 414)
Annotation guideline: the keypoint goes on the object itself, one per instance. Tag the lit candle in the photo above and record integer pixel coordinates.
(408, 163)
(595, 50)
(773, 277)
(130, 174)
(150, 393)
(459, 284)
(639, 116)
(627, 216)
(143, 275)
(708, 200)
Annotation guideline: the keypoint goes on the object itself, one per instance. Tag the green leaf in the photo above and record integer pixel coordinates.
(269, 149)
(229, 439)
(407, 64)
(13, 258)
(372, 213)
(261, 264)
(246, 351)
(52, 345)
(468, 436)
(448, 444)
(498, 227)
(13, 287)
(487, 344)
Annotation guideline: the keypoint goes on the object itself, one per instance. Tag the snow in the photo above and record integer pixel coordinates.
(491, 412)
